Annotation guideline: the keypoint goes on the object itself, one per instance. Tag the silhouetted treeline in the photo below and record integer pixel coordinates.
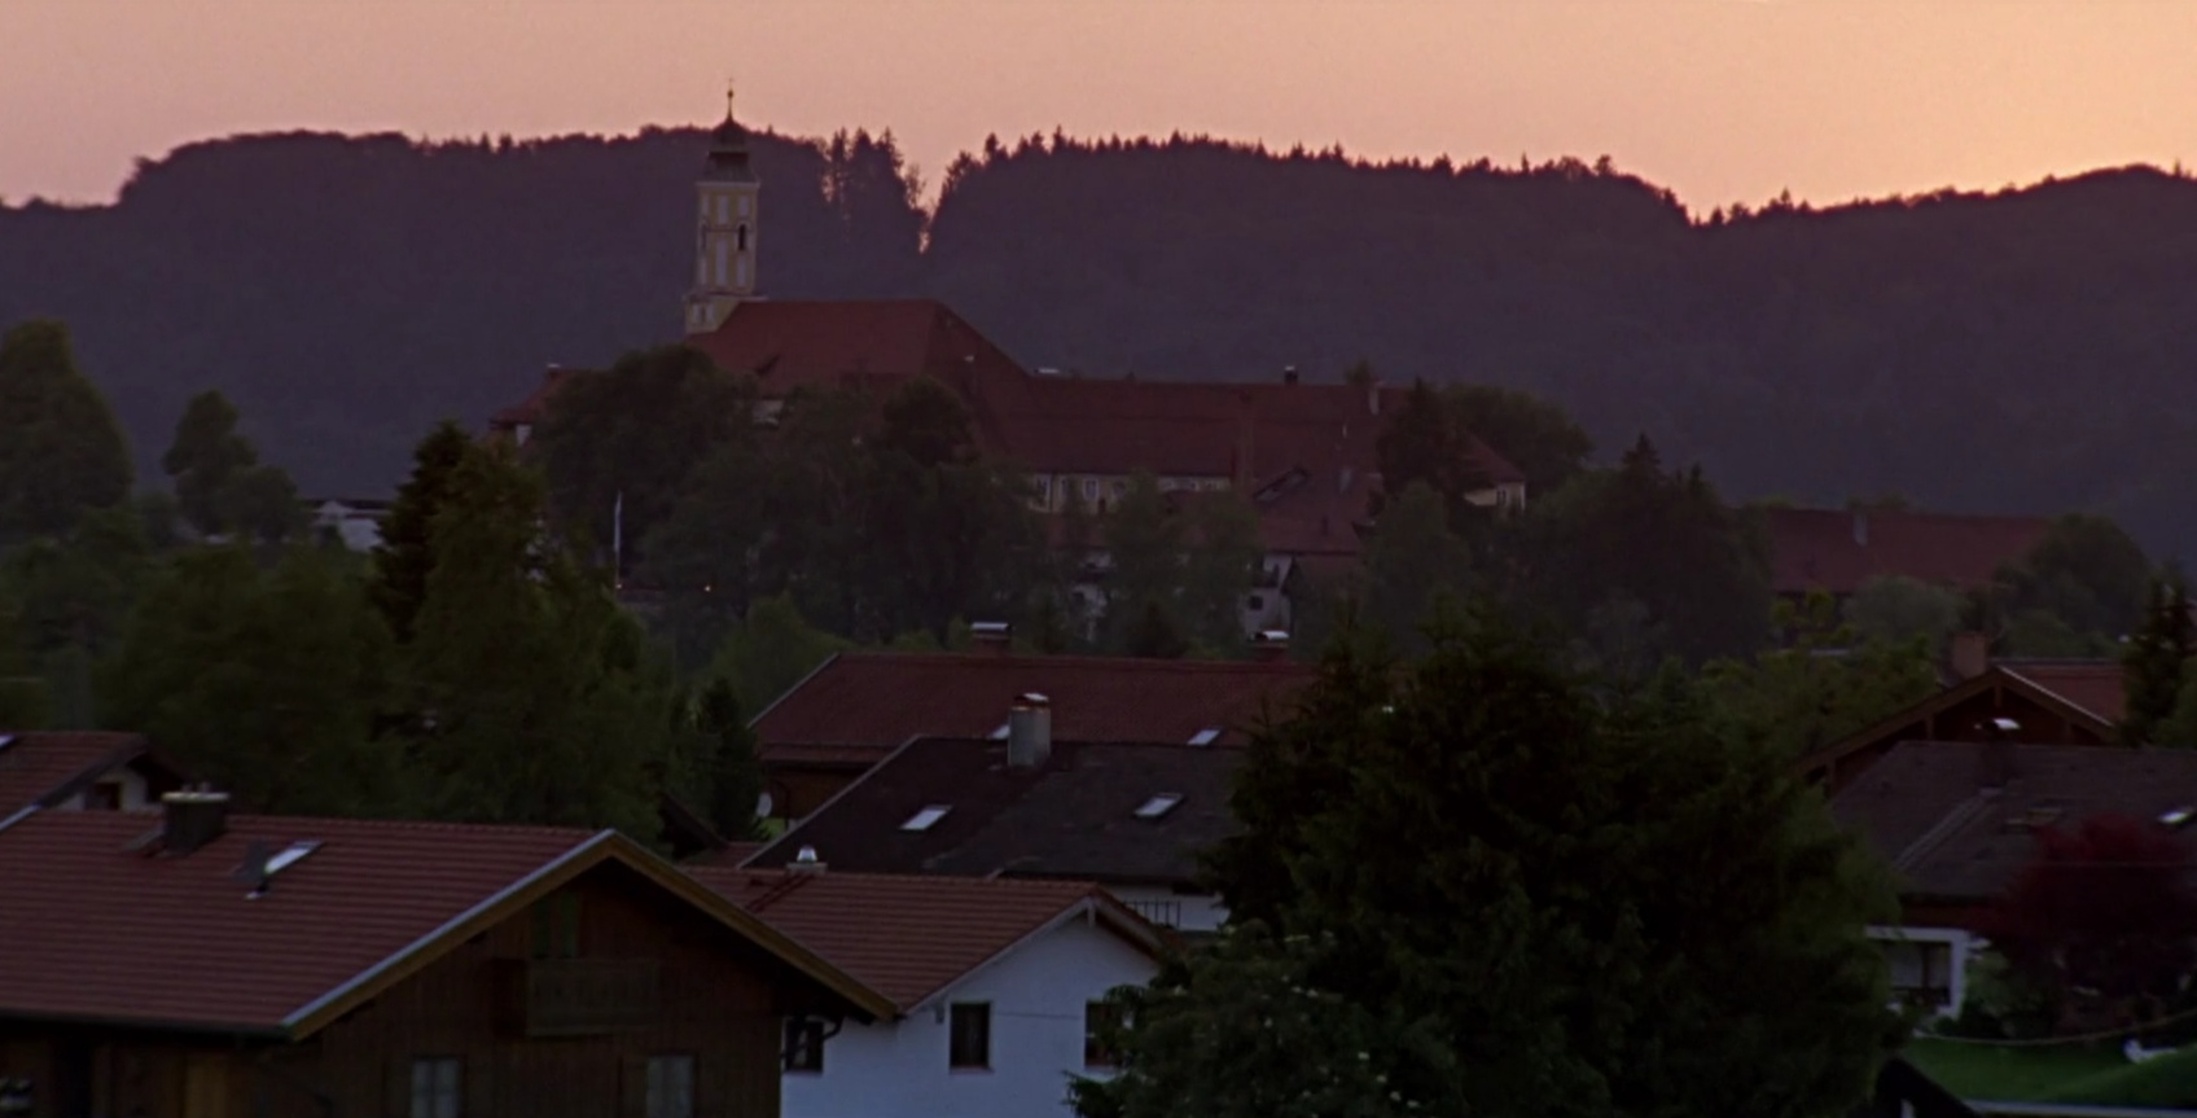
(2029, 350)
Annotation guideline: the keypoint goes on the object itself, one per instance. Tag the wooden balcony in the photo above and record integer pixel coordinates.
(578, 997)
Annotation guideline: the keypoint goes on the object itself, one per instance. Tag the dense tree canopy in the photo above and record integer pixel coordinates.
(267, 683)
(1648, 560)
(1825, 683)
(1517, 895)
(537, 698)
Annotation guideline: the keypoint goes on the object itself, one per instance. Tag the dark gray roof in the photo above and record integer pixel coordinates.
(1075, 817)
(1952, 830)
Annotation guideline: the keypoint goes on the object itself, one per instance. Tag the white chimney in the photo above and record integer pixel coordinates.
(1029, 732)
(805, 861)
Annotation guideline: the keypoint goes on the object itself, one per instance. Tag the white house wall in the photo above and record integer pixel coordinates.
(1037, 994)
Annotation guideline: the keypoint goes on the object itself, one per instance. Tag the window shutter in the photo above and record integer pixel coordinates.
(633, 1087)
(397, 1088)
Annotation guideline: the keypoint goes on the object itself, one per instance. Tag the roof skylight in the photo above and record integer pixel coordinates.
(1159, 805)
(927, 818)
(1207, 736)
(292, 855)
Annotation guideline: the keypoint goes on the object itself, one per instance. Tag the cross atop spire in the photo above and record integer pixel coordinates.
(729, 90)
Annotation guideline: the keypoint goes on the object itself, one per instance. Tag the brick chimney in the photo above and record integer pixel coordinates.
(1968, 655)
(192, 818)
(991, 638)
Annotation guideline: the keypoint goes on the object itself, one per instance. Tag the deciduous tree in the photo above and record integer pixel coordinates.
(266, 683)
(1517, 896)
(2103, 917)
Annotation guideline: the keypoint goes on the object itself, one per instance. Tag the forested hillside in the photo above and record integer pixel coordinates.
(2032, 350)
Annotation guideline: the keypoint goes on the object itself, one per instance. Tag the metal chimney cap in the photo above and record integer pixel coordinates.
(200, 795)
(1033, 699)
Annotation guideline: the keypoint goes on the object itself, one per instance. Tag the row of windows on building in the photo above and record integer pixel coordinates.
(438, 1082)
(1048, 491)
(438, 1086)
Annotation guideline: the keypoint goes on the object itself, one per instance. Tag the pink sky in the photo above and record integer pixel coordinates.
(1721, 100)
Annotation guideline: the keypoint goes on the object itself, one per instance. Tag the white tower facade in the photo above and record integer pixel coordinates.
(725, 229)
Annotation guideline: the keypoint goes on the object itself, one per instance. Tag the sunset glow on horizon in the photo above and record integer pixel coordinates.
(1720, 100)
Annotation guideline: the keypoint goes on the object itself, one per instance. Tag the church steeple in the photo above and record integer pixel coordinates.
(725, 227)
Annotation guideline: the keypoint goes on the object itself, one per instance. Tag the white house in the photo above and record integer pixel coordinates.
(1000, 986)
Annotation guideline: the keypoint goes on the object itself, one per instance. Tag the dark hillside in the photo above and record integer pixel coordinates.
(2023, 351)
(2026, 351)
(346, 293)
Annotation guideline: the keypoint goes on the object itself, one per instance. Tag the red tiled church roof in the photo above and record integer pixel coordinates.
(797, 343)
(1840, 551)
(910, 937)
(860, 705)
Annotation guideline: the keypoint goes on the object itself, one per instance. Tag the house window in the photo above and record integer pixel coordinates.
(804, 1045)
(1120, 489)
(740, 238)
(671, 1086)
(103, 796)
(1100, 1019)
(1090, 489)
(746, 204)
(557, 927)
(971, 1042)
(437, 1085)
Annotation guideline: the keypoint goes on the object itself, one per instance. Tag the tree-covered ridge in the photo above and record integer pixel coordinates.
(2025, 350)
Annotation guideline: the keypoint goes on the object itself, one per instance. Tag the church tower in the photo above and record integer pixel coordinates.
(724, 242)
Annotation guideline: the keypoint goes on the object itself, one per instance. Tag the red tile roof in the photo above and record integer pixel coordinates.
(1308, 452)
(98, 925)
(1840, 552)
(797, 343)
(530, 411)
(910, 937)
(34, 766)
(2097, 686)
(860, 705)
(791, 344)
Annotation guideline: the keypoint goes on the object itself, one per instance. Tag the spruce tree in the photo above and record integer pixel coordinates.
(61, 451)
(2157, 656)
(405, 556)
(536, 697)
